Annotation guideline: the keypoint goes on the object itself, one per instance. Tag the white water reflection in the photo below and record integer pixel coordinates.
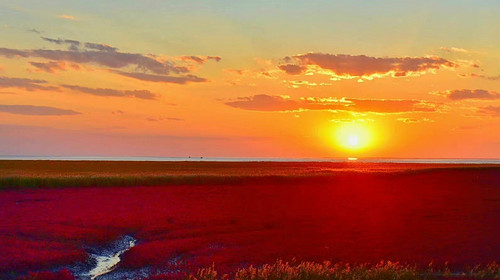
(107, 260)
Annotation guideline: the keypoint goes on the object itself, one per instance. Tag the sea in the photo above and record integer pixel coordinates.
(260, 159)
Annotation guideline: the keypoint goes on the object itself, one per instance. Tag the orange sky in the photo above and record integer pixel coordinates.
(259, 79)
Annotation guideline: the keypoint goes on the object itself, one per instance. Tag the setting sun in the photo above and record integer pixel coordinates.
(354, 136)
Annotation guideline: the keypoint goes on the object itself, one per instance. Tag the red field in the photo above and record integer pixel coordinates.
(444, 214)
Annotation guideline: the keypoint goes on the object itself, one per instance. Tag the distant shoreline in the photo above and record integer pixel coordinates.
(257, 159)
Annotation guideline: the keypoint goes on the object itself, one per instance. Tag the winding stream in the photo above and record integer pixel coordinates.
(107, 259)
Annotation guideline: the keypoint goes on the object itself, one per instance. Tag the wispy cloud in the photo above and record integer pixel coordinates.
(490, 110)
(461, 94)
(162, 78)
(414, 120)
(33, 110)
(292, 69)
(53, 66)
(454, 49)
(474, 75)
(344, 66)
(200, 59)
(68, 17)
(142, 94)
(146, 67)
(27, 84)
(276, 103)
(458, 50)
(34, 30)
(152, 119)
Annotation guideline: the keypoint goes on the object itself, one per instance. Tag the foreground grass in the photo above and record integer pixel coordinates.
(327, 271)
(314, 271)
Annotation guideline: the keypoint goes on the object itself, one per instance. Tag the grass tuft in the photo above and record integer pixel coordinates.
(281, 270)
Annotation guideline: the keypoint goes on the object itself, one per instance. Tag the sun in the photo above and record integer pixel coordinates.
(354, 136)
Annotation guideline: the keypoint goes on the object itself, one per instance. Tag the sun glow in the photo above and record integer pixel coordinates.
(354, 136)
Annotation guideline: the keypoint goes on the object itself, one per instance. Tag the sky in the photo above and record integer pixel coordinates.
(292, 79)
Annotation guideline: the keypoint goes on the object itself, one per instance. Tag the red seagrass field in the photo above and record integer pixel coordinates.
(341, 212)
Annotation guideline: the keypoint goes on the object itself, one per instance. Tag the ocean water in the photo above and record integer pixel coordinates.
(261, 159)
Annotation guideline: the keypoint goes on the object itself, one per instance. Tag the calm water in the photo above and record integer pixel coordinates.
(236, 159)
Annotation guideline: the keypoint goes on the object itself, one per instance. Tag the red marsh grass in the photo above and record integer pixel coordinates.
(186, 216)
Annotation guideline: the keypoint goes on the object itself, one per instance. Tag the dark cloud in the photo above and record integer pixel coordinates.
(201, 59)
(344, 65)
(143, 94)
(27, 84)
(73, 44)
(51, 66)
(10, 53)
(263, 102)
(36, 110)
(100, 47)
(292, 69)
(461, 94)
(490, 110)
(147, 67)
(33, 30)
(61, 41)
(163, 79)
(112, 59)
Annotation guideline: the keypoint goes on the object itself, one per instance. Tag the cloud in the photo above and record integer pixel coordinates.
(99, 54)
(69, 17)
(52, 66)
(473, 75)
(490, 110)
(164, 119)
(461, 94)
(100, 47)
(264, 102)
(142, 94)
(146, 67)
(36, 110)
(10, 53)
(273, 103)
(163, 79)
(459, 50)
(33, 30)
(414, 120)
(73, 43)
(112, 60)
(343, 66)
(200, 59)
(454, 49)
(292, 69)
(27, 84)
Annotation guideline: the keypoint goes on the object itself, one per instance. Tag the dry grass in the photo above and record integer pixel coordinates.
(49, 174)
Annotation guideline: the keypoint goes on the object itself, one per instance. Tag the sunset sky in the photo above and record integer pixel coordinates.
(413, 79)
